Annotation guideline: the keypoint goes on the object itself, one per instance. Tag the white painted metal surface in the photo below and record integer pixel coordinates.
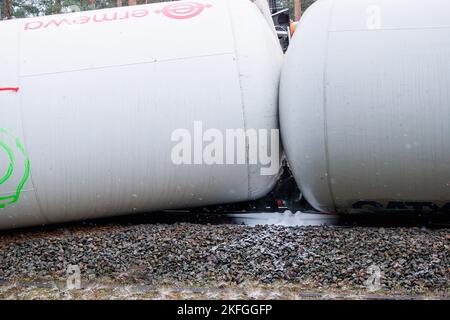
(101, 92)
(365, 105)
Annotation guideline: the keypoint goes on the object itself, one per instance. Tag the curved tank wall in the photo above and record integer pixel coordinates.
(365, 105)
(91, 101)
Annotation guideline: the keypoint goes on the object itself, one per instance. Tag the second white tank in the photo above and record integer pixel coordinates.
(365, 105)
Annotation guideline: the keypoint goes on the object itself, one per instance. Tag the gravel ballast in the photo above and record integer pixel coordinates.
(412, 261)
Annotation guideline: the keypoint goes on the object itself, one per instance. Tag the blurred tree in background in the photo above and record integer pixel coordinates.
(31, 8)
(290, 4)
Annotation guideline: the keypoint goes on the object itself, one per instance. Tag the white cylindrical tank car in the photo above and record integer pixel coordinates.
(92, 105)
(365, 105)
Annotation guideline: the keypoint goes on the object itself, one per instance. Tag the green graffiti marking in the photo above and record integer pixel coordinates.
(8, 200)
(10, 154)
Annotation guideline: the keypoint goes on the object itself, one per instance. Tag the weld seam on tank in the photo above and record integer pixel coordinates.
(125, 65)
(230, 19)
(325, 118)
